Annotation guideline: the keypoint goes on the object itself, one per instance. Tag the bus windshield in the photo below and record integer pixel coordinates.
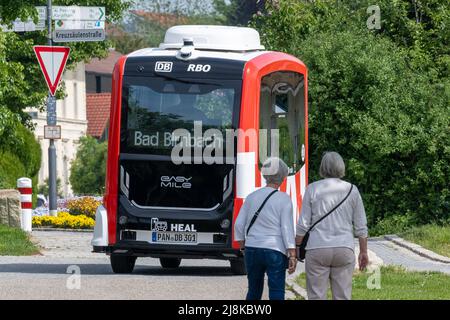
(153, 107)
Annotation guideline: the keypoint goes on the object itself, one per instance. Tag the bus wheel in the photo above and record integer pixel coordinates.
(170, 263)
(238, 267)
(122, 263)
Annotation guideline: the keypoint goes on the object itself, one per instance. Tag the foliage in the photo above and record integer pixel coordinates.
(383, 106)
(147, 28)
(87, 174)
(20, 155)
(238, 12)
(43, 188)
(27, 149)
(394, 224)
(64, 220)
(397, 284)
(15, 242)
(433, 237)
(10, 170)
(83, 206)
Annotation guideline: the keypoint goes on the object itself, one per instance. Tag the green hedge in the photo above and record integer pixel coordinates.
(11, 168)
(20, 156)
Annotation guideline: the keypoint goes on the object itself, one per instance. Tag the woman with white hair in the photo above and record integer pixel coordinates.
(265, 229)
(332, 215)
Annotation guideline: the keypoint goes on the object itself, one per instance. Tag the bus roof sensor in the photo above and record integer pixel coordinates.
(220, 38)
(187, 49)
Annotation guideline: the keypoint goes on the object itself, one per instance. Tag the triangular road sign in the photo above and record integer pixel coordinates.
(52, 61)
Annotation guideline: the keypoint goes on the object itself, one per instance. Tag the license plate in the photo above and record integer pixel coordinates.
(174, 237)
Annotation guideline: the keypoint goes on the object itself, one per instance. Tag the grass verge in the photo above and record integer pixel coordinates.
(15, 242)
(432, 237)
(396, 284)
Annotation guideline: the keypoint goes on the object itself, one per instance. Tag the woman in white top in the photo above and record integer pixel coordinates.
(270, 241)
(330, 249)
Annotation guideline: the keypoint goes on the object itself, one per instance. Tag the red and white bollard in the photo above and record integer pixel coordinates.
(26, 193)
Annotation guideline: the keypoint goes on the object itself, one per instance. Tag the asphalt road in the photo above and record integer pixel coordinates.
(51, 275)
(53, 278)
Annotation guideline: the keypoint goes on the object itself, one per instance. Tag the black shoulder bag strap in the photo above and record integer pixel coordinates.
(301, 249)
(331, 211)
(259, 210)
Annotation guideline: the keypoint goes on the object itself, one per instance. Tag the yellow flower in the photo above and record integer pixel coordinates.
(65, 220)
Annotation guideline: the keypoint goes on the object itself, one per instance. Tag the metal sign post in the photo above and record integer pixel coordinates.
(51, 121)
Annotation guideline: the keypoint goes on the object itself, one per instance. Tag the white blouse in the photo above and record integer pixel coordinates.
(274, 227)
(341, 226)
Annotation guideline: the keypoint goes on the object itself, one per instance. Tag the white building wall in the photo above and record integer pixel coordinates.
(71, 116)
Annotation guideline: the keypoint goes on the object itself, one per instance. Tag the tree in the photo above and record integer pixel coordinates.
(238, 12)
(147, 22)
(379, 101)
(43, 188)
(88, 171)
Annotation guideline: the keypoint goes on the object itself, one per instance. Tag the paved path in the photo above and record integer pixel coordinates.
(392, 254)
(65, 244)
(49, 276)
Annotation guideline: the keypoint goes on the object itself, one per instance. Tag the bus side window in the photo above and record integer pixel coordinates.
(282, 118)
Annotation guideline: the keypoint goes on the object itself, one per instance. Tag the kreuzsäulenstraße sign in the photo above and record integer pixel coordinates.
(79, 35)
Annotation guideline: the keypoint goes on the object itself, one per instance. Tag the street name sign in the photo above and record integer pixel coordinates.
(78, 35)
(52, 61)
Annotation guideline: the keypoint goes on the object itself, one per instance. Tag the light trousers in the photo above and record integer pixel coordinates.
(332, 266)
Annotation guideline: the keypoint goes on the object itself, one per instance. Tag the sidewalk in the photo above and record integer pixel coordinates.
(65, 244)
(383, 251)
(393, 254)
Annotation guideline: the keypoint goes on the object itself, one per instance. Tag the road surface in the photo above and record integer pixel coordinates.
(51, 275)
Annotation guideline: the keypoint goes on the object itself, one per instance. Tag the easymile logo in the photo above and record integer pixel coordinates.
(178, 182)
(163, 66)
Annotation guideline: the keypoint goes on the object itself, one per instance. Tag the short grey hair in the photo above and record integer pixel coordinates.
(332, 165)
(274, 170)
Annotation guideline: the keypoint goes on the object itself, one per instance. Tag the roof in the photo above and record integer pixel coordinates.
(213, 38)
(104, 66)
(97, 112)
(230, 55)
(165, 20)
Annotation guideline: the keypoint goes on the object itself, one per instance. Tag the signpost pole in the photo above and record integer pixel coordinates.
(51, 121)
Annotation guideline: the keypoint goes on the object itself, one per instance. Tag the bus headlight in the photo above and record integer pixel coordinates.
(225, 224)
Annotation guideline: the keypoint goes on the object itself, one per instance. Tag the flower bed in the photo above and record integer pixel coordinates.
(64, 220)
(83, 206)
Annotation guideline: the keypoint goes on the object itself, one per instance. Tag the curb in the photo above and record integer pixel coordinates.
(421, 251)
(62, 229)
(290, 281)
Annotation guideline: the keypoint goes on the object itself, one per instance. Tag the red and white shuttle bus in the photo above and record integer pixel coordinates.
(221, 79)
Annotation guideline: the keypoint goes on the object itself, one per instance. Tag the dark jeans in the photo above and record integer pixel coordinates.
(259, 261)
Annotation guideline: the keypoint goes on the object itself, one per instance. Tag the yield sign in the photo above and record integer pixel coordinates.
(52, 61)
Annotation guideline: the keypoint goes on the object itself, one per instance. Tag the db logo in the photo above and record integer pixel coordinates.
(199, 68)
(163, 66)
